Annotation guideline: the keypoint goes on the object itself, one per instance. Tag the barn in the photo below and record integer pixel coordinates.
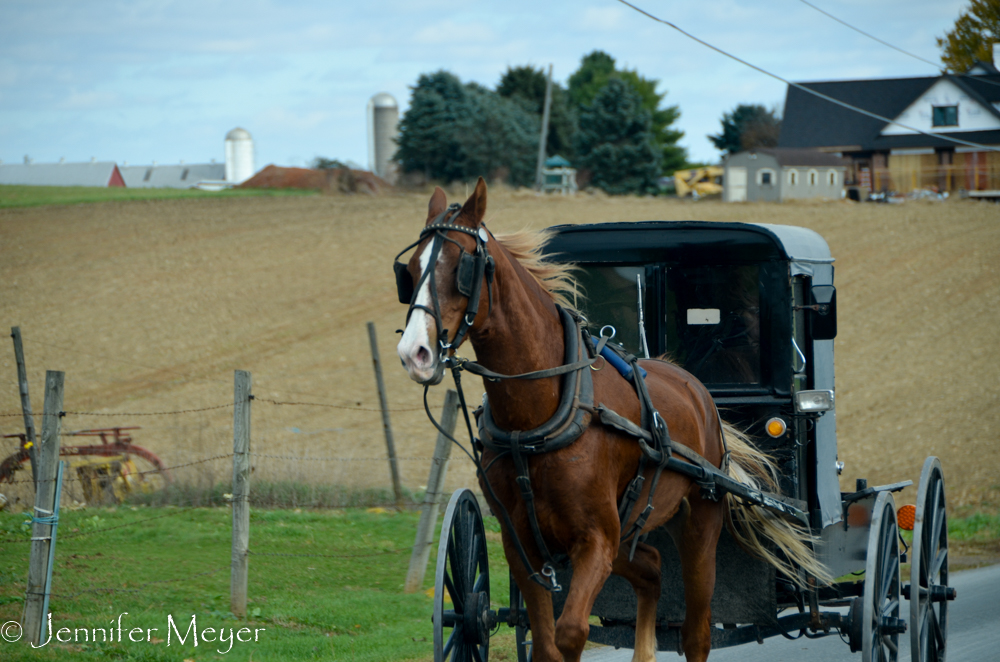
(95, 173)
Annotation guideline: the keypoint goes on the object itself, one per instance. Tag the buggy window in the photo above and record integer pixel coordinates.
(712, 317)
(611, 297)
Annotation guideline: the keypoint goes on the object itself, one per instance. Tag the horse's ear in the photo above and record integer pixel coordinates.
(437, 205)
(475, 207)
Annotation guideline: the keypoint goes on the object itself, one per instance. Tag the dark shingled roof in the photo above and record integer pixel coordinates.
(810, 121)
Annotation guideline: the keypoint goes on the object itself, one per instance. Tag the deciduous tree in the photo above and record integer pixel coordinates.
(747, 127)
(973, 36)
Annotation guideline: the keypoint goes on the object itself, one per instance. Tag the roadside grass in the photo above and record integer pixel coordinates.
(344, 603)
(35, 196)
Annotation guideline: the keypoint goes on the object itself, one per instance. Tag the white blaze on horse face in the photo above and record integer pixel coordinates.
(415, 348)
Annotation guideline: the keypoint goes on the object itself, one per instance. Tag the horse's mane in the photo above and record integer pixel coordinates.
(555, 278)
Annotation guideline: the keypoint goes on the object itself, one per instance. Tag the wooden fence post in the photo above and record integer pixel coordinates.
(242, 395)
(22, 382)
(45, 496)
(386, 424)
(432, 497)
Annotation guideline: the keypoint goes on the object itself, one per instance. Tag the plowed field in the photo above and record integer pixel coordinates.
(150, 306)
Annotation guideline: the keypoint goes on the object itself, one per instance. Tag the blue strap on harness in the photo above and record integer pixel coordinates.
(619, 364)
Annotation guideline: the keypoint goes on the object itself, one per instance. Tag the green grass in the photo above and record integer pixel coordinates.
(978, 527)
(34, 196)
(312, 607)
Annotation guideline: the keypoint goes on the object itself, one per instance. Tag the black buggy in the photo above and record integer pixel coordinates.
(751, 310)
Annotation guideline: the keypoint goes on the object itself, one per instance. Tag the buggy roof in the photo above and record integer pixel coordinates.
(689, 241)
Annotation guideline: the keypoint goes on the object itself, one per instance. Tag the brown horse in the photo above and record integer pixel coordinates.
(578, 488)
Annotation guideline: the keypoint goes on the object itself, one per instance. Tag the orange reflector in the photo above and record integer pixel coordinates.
(776, 427)
(905, 516)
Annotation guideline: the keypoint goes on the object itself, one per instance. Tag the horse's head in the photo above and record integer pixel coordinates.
(443, 283)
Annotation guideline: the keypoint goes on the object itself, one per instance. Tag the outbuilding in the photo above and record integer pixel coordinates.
(776, 175)
(95, 173)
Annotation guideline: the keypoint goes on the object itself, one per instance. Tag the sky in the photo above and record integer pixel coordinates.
(143, 81)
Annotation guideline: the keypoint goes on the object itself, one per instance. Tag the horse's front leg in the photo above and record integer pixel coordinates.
(591, 556)
(643, 573)
(538, 602)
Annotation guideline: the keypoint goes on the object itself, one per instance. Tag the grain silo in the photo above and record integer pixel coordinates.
(383, 122)
(239, 156)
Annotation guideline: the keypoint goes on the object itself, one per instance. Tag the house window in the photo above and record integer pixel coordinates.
(184, 175)
(813, 178)
(793, 177)
(831, 177)
(945, 116)
(765, 177)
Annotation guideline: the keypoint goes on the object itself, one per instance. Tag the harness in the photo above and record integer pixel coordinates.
(574, 413)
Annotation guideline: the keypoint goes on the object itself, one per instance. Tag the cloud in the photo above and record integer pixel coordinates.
(601, 19)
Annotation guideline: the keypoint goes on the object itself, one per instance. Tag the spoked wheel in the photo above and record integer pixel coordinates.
(881, 625)
(462, 633)
(522, 630)
(929, 591)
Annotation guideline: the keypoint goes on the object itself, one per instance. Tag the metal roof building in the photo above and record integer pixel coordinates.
(95, 173)
(173, 176)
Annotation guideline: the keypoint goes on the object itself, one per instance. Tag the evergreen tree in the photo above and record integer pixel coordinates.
(747, 127)
(427, 138)
(500, 134)
(457, 132)
(615, 141)
(973, 36)
(526, 85)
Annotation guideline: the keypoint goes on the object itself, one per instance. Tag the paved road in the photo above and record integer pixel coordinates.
(973, 632)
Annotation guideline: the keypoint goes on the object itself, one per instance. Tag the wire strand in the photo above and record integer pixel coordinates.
(807, 90)
(893, 47)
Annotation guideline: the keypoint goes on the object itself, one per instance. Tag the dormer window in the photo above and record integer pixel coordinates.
(944, 116)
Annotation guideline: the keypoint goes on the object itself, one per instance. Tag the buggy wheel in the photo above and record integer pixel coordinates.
(522, 629)
(929, 592)
(462, 633)
(881, 625)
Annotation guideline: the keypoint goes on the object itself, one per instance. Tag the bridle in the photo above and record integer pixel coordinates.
(473, 268)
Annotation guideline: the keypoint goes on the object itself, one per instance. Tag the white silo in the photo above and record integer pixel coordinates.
(239, 156)
(383, 126)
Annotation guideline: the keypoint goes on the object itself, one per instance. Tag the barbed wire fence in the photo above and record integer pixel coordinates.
(182, 497)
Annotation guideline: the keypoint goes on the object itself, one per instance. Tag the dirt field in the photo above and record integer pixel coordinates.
(150, 306)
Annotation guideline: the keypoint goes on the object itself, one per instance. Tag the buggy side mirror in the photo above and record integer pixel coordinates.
(823, 313)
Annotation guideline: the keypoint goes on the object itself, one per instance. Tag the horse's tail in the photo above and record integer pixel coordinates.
(757, 530)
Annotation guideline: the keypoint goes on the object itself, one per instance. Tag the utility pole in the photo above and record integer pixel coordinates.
(545, 131)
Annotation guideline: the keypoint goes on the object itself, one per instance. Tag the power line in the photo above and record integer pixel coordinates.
(807, 90)
(870, 36)
(893, 47)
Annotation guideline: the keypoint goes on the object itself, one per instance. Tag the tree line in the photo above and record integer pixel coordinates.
(609, 122)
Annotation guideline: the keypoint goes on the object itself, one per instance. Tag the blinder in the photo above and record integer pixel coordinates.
(473, 269)
(404, 282)
(464, 279)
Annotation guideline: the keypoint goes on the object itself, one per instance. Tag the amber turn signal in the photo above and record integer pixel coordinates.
(905, 516)
(776, 427)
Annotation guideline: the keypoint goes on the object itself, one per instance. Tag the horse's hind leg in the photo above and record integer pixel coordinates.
(699, 538)
(643, 573)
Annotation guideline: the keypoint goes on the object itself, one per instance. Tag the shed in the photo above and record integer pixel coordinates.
(776, 175)
(95, 173)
